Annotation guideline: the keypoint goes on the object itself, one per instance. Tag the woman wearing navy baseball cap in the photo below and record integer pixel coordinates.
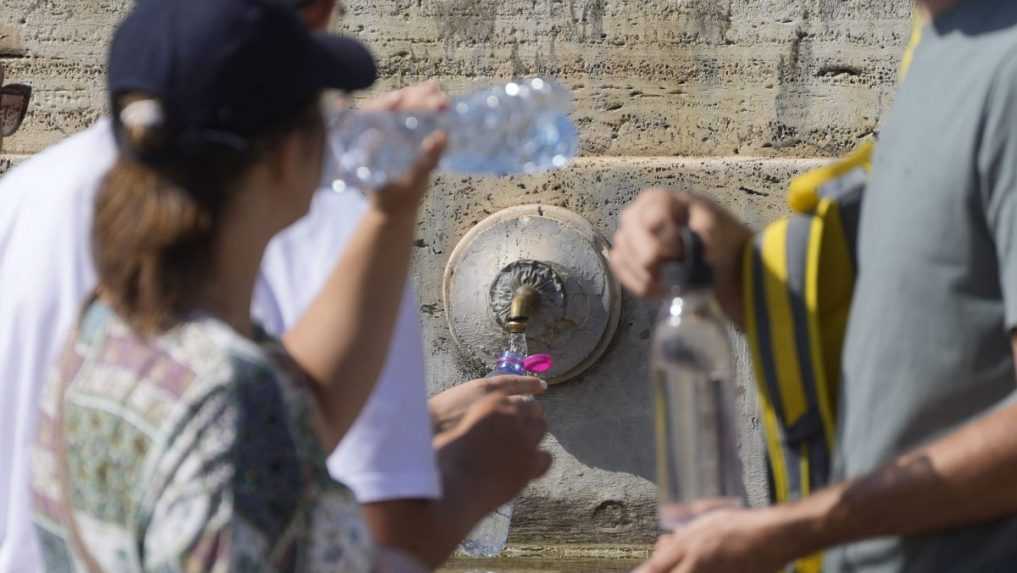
(176, 435)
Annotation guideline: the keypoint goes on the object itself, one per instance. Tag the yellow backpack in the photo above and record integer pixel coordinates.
(799, 276)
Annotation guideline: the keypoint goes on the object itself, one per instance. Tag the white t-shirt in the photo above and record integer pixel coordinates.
(46, 270)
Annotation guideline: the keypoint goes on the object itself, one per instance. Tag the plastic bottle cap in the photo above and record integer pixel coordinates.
(538, 363)
(691, 272)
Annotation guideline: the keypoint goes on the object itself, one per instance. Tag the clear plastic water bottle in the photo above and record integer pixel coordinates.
(515, 128)
(489, 537)
(692, 369)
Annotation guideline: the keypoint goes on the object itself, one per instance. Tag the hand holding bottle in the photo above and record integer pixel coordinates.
(495, 451)
(692, 374)
(423, 97)
(649, 233)
(402, 196)
(514, 128)
(449, 407)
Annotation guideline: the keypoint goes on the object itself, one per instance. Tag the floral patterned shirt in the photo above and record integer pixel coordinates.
(191, 451)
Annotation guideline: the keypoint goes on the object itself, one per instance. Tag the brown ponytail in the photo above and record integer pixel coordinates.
(151, 239)
(154, 230)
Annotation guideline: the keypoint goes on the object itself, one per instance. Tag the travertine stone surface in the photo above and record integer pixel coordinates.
(724, 97)
(665, 77)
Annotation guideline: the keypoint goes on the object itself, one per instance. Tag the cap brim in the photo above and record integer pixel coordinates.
(345, 64)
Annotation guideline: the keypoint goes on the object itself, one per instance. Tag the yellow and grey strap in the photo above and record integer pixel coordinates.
(799, 276)
(799, 273)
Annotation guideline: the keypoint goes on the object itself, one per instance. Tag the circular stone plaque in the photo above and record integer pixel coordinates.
(561, 256)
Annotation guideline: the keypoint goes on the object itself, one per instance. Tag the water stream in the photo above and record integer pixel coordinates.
(517, 344)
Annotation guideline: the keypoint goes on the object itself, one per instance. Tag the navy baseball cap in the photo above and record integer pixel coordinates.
(224, 71)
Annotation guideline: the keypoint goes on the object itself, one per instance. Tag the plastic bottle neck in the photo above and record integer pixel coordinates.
(691, 292)
(686, 299)
(511, 363)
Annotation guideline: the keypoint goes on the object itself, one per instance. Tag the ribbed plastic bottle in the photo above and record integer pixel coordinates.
(514, 128)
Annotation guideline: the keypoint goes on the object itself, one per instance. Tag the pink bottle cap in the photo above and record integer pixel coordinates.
(538, 363)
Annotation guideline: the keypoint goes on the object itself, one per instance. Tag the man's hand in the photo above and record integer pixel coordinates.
(650, 234)
(969, 474)
(738, 541)
(449, 407)
(492, 454)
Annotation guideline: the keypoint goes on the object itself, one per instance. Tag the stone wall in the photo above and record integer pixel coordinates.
(724, 97)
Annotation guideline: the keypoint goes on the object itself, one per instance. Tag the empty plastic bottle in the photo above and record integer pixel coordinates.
(515, 128)
(698, 468)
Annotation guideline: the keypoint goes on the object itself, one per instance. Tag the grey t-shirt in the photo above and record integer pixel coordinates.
(929, 340)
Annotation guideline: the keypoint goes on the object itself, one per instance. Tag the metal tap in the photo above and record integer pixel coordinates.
(524, 301)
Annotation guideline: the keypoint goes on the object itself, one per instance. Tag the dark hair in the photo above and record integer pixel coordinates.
(155, 226)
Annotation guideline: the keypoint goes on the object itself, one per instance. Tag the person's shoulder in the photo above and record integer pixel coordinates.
(221, 360)
(91, 150)
(265, 390)
(216, 353)
(145, 379)
(66, 173)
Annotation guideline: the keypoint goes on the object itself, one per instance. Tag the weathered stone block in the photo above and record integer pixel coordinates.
(659, 77)
(652, 78)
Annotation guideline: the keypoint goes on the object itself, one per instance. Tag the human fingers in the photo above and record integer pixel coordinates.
(430, 97)
(533, 425)
(663, 541)
(652, 225)
(519, 399)
(635, 278)
(516, 385)
(541, 463)
(674, 204)
(666, 557)
(431, 151)
(661, 217)
(527, 408)
(390, 101)
(648, 249)
(425, 96)
(403, 195)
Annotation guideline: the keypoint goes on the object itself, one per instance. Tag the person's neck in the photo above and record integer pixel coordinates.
(238, 251)
(936, 7)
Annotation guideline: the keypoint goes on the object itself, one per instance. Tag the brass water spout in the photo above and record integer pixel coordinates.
(523, 303)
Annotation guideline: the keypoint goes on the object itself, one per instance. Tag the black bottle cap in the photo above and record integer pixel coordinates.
(692, 272)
